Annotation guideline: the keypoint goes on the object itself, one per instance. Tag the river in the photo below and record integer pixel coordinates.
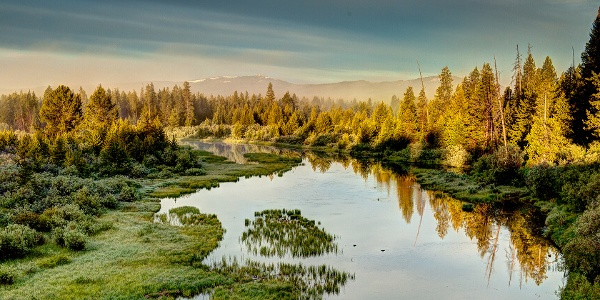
(400, 241)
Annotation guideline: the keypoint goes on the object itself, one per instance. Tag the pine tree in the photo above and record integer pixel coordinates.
(582, 102)
(441, 100)
(422, 115)
(526, 102)
(189, 104)
(270, 96)
(101, 110)
(407, 114)
(593, 121)
(61, 111)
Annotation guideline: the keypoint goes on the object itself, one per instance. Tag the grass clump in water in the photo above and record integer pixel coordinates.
(282, 232)
(278, 281)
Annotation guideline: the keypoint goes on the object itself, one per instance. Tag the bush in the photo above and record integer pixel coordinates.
(580, 186)
(542, 182)
(89, 203)
(195, 172)
(7, 276)
(32, 220)
(61, 215)
(582, 253)
(74, 240)
(128, 194)
(139, 170)
(501, 167)
(579, 287)
(456, 156)
(17, 240)
(69, 236)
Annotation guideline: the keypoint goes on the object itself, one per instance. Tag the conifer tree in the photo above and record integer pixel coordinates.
(61, 111)
(101, 110)
(407, 114)
(583, 104)
(189, 104)
(422, 115)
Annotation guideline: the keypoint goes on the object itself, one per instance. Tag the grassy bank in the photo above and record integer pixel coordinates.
(132, 257)
(217, 169)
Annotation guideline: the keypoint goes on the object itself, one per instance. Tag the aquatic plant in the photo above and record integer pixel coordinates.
(282, 232)
(308, 282)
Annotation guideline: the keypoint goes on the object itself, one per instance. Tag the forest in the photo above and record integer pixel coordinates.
(67, 158)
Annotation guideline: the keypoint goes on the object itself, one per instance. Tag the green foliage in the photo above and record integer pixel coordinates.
(502, 166)
(7, 276)
(580, 186)
(580, 288)
(53, 261)
(61, 111)
(542, 181)
(286, 232)
(582, 253)
(128, 194)
(17, 241)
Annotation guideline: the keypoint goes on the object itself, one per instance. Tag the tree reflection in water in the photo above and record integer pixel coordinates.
(526, 252)
(533, 253)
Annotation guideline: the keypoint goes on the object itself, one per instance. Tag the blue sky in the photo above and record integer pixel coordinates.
(80, 42)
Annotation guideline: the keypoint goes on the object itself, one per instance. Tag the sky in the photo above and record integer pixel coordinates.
(82, 42)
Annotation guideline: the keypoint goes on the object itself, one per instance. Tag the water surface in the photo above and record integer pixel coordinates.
(400, 241)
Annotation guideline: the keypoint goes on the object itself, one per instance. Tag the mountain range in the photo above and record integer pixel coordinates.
(226, 85)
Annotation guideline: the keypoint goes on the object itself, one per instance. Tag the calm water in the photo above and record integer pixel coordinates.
(400, 241)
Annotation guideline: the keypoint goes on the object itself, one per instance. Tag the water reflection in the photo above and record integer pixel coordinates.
(507, 242)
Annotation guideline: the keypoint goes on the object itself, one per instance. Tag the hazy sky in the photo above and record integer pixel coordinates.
(80, 42)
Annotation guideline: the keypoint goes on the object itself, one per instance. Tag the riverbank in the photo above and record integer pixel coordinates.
(134, 257)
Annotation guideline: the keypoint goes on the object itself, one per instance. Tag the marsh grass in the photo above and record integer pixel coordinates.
(279, 280)
(462, 187)
(217, 169)
(286, 232)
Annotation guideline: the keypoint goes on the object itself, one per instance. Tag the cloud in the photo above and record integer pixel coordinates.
(374, 39)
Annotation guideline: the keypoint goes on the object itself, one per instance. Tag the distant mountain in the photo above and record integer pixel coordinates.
(348, 90)
(227, 85)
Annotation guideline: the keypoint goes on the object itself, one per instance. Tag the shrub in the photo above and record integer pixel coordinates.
(580, 186)
(69, 236)
(582, 253)
(7, 276)
(127, 194)
(89, 203)
(31, 219)
(456, 156)
(139, 170)
(502, 166)
(17, 240)
(579, 287)
(541, 181)
(195, 172)
(74, 240)
(61, 215)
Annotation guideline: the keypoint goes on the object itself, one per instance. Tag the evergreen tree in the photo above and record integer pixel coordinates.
(422, 115)
(101, 110)
(270, 96)
(526, 100)
(407, 114)
(60, 111)
(441, 100)
(189, 104)
(593, 121)
(582, 101)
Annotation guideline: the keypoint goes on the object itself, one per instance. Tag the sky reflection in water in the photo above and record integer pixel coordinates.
(399, 241)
